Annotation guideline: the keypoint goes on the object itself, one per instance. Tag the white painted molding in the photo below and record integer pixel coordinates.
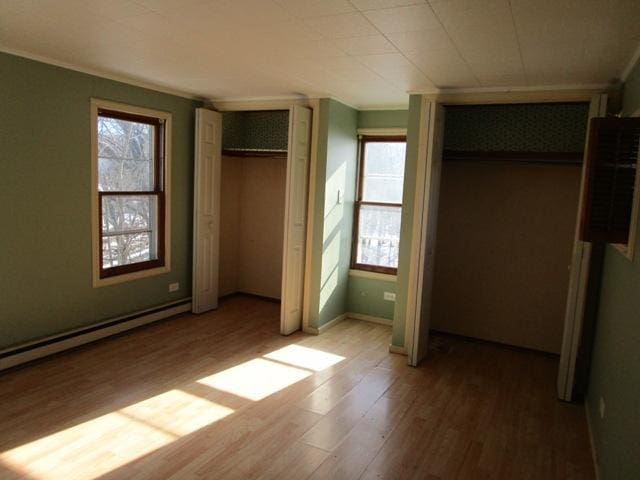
(82, 338)
(259, 104)
(392, 107)
(325, 327)
(396, 349)
(370, 318)
(332, 323)
(507, 96)
(632, 63)
(373, 275)
(594, 454)
(382, 131)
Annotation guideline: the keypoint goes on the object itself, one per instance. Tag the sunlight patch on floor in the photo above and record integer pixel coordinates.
(255, 379)
(309, 358)
(114, 439)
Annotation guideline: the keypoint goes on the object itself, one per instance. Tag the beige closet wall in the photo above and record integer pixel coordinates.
(505, 233)
(252, 225)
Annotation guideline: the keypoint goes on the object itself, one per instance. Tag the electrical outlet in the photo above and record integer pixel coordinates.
(340, 197)
(174, 287)
(390, 296)
(602, 407)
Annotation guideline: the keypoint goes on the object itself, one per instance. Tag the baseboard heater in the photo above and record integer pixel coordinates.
(14, 356)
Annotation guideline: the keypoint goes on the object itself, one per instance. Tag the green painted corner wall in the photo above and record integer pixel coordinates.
(333, 221)
(366, 296)
(383, 118)
(615, 370)
(45, 188)
(406, 227)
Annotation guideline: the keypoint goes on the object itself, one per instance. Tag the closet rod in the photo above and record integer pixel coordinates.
(255, 153)
(507, 156)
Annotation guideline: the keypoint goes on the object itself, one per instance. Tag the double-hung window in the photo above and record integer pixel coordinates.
(130, 191)
(378, 207)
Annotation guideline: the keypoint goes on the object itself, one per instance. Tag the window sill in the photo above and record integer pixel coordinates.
(127, 277)
(373, 275)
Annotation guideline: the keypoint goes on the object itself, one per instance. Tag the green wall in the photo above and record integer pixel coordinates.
(45, 190)
(383, 118)
(615, 371)
(365, 295)
(333, 221)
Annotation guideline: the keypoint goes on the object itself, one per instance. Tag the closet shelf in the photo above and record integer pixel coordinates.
(233, 152)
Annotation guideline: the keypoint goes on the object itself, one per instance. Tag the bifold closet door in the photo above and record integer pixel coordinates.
(295, 219)
(206, 210)
(578, 280)
(425, 224)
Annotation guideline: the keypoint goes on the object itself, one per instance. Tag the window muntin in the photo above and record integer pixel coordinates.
(379, 204)
(130, 166)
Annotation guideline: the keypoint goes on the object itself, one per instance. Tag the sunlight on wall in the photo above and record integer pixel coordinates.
(255, 379)
(100, 445)
(304, 357)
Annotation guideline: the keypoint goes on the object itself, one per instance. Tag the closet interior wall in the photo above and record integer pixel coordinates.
(252, 225)
(252, 201)
(505, 228)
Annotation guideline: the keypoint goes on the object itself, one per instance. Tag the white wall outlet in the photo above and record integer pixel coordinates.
(390, 296)
(602, 407)
(174, 287)
(340, 196)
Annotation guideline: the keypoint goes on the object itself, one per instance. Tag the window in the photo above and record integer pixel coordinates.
(379, 204)
(130, 165)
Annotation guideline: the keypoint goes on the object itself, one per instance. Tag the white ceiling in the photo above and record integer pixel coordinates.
(367, 53)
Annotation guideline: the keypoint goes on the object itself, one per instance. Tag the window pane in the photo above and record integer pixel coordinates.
(122, 213)
(379, 236)
(383, 171)
(125, 155)
(126, 249)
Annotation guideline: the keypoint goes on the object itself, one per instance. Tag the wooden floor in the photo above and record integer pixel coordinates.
(222, 395)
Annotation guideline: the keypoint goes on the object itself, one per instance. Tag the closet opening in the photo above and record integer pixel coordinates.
(250, 208)
(508, 200)
(252, 203)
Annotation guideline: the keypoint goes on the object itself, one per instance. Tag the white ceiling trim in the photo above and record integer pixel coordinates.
(632, 63)
(542, 88)
(101, 74)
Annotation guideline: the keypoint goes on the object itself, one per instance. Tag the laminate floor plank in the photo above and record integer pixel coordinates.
(223, 396)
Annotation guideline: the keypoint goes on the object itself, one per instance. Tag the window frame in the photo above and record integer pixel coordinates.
(363, 139)
(161, 121)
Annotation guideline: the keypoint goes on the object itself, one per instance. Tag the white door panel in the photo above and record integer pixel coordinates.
(578, 280)
(206, 215)
(295, 219)
(427, 213)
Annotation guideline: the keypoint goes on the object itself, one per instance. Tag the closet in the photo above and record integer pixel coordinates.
(250, 207)
(252, 200)
(508, 200)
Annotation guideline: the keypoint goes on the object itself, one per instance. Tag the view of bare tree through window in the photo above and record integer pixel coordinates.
(126, 166)
(380, 207)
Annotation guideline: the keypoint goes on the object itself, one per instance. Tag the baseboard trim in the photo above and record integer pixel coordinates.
(594, 453)
(57, 343)
(396, 349)
(325, 327)
(370, 318)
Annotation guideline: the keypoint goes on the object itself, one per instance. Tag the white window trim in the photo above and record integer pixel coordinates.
(96, 249)
(627, 249)
(385, 277)
(382, 131)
